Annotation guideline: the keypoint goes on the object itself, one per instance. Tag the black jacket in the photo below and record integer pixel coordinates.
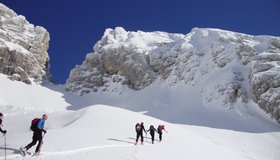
(152, 130)
(1, 130)
(142, 128)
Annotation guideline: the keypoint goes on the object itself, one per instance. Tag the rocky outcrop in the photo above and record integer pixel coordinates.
(226, 66)
(23, 48)
(265, 83)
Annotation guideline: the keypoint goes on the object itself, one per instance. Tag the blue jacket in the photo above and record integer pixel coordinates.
(40, 124)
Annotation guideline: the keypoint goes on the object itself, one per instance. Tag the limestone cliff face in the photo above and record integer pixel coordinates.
(225, 66)
(23, 48)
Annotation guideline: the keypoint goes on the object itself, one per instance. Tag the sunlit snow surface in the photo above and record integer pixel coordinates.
(104, 131)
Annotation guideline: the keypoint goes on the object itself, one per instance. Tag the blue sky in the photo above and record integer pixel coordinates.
(76, 25)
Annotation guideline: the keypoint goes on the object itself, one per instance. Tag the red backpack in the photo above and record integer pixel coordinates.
(160, 127)
(34, 124)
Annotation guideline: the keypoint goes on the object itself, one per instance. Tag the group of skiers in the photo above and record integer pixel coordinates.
(37, 126)
(139, 128)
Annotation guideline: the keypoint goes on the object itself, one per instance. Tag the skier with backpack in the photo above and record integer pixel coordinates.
(159, 130)
(139, 128)
(37, 126)
(152, 131)
(1, 120)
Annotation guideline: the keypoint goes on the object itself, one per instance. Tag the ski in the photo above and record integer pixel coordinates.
(36, 154)
(24, 153)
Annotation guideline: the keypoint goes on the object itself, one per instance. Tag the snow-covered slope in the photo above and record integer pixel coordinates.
(224, 67)
(23, 48)
(77, 130)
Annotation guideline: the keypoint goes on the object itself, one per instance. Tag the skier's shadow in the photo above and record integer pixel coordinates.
(119, 140)
(16, 151)
(144, 139)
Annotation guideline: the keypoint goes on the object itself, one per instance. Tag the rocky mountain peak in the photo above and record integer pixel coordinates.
(225, 66)
(23, 48)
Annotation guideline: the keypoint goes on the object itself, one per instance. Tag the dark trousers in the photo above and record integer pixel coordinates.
(160, 136)
(139, 135)
(153, 137)
(37, 136)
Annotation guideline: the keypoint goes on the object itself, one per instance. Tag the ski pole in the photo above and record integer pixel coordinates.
(42, 141)
(5, 146)
(168, 137)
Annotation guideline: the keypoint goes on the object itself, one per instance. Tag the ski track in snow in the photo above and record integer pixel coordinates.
(66, 152)
(79, 150)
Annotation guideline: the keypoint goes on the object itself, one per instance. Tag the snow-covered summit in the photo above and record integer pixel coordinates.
(223, 66)
(23, 48)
